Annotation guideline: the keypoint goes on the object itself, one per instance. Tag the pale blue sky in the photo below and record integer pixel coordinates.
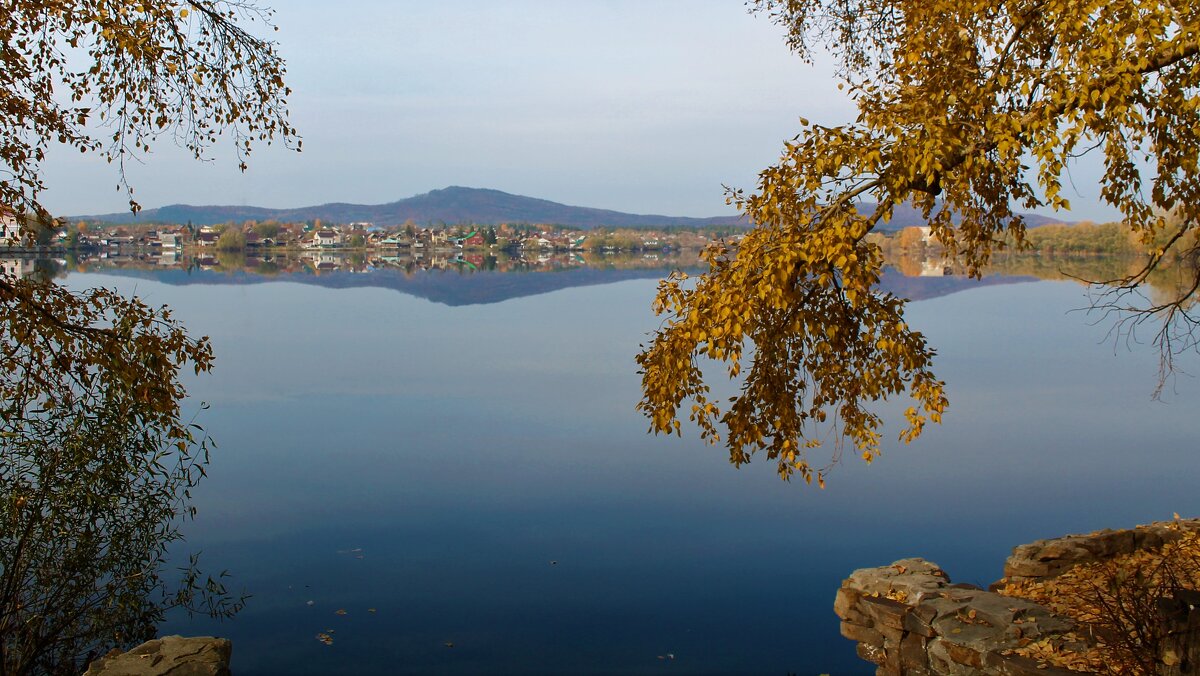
(646, 106)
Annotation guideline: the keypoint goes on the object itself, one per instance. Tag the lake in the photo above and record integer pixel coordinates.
(456, 460)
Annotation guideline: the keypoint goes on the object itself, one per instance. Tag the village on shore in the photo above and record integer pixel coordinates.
(311, 235)
(355, 247)
(270, 247)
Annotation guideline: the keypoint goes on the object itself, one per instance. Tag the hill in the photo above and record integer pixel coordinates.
(449, 205)
(459, 205)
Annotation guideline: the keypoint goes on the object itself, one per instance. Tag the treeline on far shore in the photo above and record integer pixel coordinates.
(1084, 238)
(1109, 239)
(1105, 254)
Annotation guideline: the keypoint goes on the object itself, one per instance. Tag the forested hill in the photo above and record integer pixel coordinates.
(458, 205)
(447, 206)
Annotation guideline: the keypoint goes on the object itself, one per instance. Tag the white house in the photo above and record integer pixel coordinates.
(10, 230)
(327, 238)
(16, 267)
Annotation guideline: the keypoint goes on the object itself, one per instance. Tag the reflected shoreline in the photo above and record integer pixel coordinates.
(458, 278)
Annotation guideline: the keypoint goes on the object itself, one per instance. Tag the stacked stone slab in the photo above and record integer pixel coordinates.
(168, 656)
(1050, 558)
(909, 619)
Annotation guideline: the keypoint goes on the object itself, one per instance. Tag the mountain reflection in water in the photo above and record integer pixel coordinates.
(478, 476)
(458, 280)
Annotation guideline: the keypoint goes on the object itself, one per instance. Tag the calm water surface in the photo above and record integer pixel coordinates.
(477, 475)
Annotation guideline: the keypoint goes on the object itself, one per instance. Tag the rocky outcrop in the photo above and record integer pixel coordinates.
(168, 656)
(909, 618)
(1050, 558)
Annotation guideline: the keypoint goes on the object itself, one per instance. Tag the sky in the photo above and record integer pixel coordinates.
(643, 106)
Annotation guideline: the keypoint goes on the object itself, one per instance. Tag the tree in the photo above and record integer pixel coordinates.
(112, 77)
(267, 229)
(39, 229)
(95, 458)
(95, 470)
(967, 111)
(231, 239)
(911, 239)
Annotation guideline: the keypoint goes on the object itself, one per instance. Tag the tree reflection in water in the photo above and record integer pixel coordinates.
(95, 471)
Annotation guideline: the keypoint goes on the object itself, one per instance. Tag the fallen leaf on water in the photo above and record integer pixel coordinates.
(325, 638)
(449, 644)
(340, 611)
(309, 603)
(370, 610)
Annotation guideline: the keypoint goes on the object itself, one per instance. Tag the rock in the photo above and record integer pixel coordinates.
(1051, 558)
(910, 620)
(170, 655)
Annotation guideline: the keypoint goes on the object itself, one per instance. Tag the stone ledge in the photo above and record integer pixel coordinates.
(1050, 558)
(908, 618)
(168, 656)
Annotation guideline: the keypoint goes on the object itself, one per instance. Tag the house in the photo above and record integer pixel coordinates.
(10, 229)
(117, 241)
(394, 243)
(537, 241)
(207, 238)
(17, 267)
(169, 241)
(327, 238)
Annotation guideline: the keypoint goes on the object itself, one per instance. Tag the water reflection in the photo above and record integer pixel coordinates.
(296, 265)
(95, 473)
(462, 449)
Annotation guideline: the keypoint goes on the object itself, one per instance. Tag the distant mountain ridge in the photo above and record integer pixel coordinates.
(448, 205)
(457, 204)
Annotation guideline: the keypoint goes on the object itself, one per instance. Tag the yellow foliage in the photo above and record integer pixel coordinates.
(1115, 604)
(110, 77)
(967, 111)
